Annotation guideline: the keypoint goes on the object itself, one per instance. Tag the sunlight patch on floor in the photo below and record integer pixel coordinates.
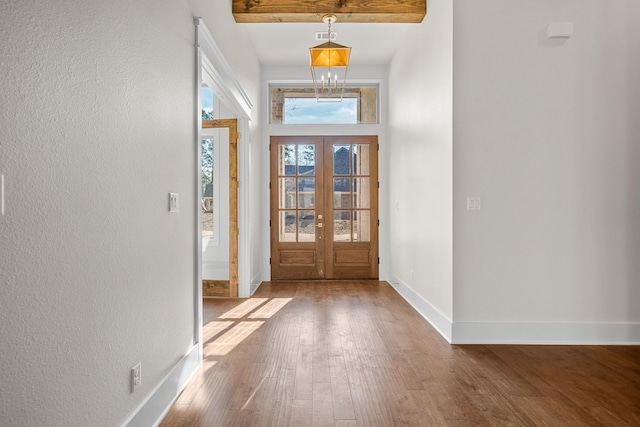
(213, 328)
(243, 309)
(230, 339)
(270, 308)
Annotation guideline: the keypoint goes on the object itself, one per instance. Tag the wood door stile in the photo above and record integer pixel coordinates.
(232, 125)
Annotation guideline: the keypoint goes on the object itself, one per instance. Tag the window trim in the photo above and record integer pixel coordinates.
(305, 90)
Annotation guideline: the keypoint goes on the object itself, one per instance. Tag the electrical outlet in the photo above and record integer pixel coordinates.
(474, 203)
(136, 377)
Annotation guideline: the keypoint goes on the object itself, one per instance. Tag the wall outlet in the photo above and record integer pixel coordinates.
(474, 203)
(136, 377)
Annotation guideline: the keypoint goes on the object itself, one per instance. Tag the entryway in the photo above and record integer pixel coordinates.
(324, 207)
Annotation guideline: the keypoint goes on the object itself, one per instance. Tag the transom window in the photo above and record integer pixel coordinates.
(298, 105)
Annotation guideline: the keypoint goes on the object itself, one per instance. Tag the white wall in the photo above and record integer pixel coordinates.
(97, 128)
(547, 133)
(420, 150)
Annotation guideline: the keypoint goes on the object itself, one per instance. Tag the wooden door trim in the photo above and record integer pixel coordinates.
(232, 125)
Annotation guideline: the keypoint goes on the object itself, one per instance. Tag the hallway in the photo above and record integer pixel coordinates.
(356, 354)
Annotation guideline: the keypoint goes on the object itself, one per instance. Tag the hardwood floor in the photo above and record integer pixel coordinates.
(356, 354)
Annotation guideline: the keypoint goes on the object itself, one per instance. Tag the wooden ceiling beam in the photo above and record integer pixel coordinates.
(376, 11)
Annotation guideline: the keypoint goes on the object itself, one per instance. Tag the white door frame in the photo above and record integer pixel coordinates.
(225, 86)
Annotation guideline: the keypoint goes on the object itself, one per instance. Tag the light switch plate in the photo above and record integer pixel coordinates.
(173, 202)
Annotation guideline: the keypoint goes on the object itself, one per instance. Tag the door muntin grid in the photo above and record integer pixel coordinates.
(297, 193)
(351, 187)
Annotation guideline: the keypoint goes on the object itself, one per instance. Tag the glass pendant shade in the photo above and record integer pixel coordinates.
(330, 55)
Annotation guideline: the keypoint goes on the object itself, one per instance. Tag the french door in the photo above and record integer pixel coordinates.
(324, 207)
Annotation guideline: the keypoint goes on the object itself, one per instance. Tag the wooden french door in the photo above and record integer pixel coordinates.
(324, 207)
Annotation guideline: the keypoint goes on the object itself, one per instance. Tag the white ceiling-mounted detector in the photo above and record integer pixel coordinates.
(325, 36)
(559, 30)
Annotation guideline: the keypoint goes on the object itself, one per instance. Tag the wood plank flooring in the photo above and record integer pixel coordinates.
(355, 353)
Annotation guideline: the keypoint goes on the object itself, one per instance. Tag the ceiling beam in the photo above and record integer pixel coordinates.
(377, 11)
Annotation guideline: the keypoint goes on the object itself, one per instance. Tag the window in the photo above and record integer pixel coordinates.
(298, 105)
(209, 171)
(207, 103)
(309, 111)
(207, 187)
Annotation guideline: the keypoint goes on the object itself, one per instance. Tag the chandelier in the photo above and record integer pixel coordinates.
(329, 62)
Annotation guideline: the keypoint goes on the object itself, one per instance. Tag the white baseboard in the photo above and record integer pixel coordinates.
(157, 404)
(546, 333)
(255, 282)
(438, 320)
(554, 333)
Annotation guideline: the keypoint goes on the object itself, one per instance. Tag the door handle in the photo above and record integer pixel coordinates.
(320, 225)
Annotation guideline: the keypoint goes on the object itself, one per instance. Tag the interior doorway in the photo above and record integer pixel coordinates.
(324, 207)
(217, 287)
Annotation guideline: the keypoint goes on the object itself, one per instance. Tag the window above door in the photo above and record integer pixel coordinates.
(298, 105)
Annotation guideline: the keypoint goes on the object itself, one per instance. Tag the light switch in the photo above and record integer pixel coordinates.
(173, 202)
(474, 203)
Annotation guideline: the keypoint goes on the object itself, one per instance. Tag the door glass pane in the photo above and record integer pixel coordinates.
(306, 226)
(342, 226)
(361, 193)
(287, 159)
(361, 226)
(296, 192)
(361, 159)
(207, 186)
(341, 160)
(341, 193)
(287, 193)
(306, 160)
(287, 226)
(306, 193)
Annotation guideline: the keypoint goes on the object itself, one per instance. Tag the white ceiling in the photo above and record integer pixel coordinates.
(289, 43)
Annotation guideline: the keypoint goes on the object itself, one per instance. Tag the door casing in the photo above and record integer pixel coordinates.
(232, 125)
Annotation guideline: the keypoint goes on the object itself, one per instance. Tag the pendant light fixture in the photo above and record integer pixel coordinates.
(329, 62)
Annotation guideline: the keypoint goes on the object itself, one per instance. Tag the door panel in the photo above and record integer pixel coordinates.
(324, 207)
(353, 205)
(296, 184)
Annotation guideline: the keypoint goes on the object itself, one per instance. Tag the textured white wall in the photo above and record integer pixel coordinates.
(547, 133)
(420, 135)
(95, 274)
